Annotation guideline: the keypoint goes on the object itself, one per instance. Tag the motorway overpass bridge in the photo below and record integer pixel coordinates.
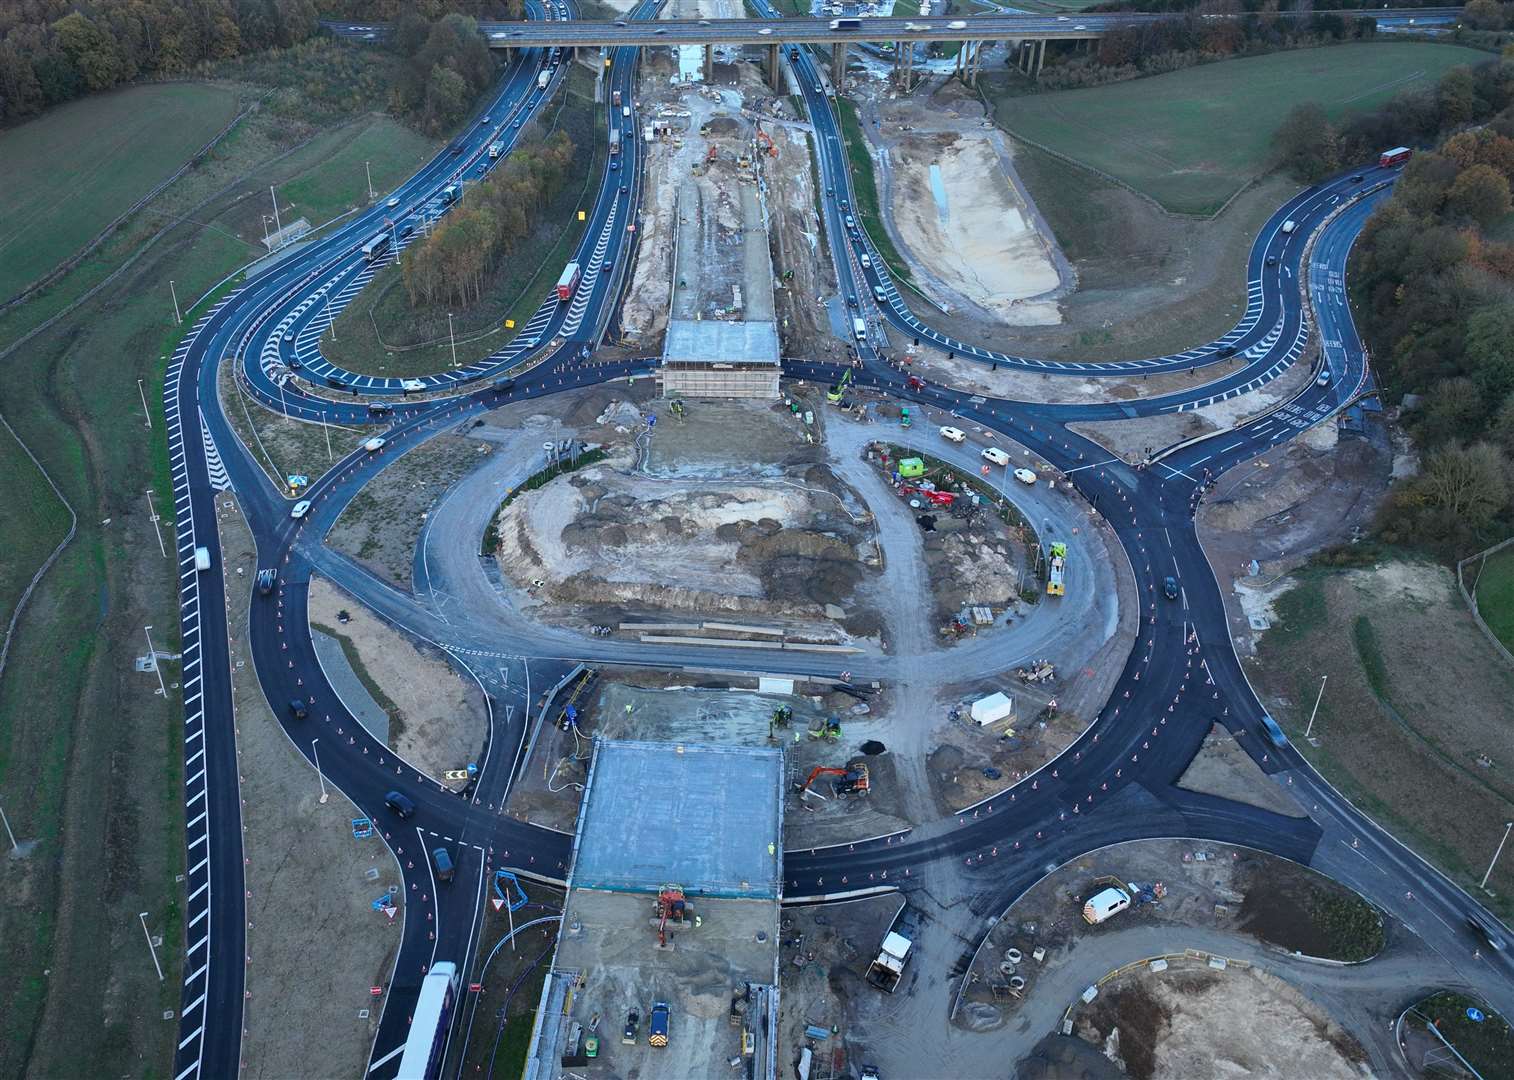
(1030, 31)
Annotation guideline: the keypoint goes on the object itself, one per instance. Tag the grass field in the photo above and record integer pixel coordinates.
(1495, 594)
(101, 802)
(1416, 703)
(1191, 138)
(390, 150)
(865, 187)
(67, 175)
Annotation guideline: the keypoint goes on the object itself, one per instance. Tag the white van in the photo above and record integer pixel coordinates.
(994, 456)
(859, 329)
(1102, 905)
(1289, 225)
(202, 558)
(879, 295)
(951, 434)
(864, 259)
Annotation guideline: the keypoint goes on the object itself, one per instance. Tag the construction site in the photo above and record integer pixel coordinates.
(667, 963)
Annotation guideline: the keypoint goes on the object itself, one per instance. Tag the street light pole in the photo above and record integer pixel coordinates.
(152, 513)
(145, 411)
(177, 318)
(150, 946)
(277, 227)
(1506, 827)
(369, 173)
(147, 630)
(452, 339)
(316, 751)
(330, 318)
(7, 821)
(1317, 700)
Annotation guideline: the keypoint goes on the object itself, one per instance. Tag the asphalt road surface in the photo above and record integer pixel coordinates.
(1115, 783)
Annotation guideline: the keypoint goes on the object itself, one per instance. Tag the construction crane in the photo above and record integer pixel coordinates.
(670, 905)
(852, 780)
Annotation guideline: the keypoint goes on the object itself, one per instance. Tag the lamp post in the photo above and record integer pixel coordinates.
(153, 653)
(315, 750)
(1506, 827)
(451, 338)
(1317, 700)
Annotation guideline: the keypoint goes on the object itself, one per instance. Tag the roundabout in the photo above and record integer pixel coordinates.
(1154, 663)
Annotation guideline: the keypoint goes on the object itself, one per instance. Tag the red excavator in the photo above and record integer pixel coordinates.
(852, 780)
(670, 905)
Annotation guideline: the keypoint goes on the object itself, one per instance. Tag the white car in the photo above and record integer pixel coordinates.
(956, 24)
(765, 31)
(1025, 476)
(951, 434)
(913, 26)
(1062, 18)
(300, 509)
(1080, 26)
(374, 444)
(392, 203)
(411, 386)
(1324, 377)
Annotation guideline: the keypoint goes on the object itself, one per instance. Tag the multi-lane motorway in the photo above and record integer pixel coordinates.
(1115, 783)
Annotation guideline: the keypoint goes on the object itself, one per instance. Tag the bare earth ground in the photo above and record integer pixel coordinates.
(710, 526)
(974, 377)
(283, 447)
(1417, 703)
(1132, 440)
(1147, 282)
(1181, 1024)
(301, 858)
(1223, 768)
(381, 524)
(441, 715)
(823, 961)
(672, 706)
(957, 213)
(1211, 886)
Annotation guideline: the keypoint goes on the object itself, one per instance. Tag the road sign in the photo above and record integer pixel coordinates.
(475, 988)
(376, 991)
(509, 324)
(1475, 1015)
(497, 902)
(582, 215)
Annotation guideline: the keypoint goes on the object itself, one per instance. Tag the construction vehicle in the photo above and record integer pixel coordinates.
(767, 142)
(1038, 671)
(1055, 585)
(852, 780)
(712, 154)
(888, 968)
(838, 389)
(671, 904)
(914, 382)
(829, 729)
(628, 1034)
(904, 418)
(657, 1027)
(935, 498)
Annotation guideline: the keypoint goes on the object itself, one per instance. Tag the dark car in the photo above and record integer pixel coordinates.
(456, 149)
(504, 386)
(1357, 179)
(400, 803)
(1274, 732)
(1170, 587)
(1226, 352)
(297, 709)
(441, 859)
(295, 363)
(266, 578)
(1271, 260)
(379, 408)
(1485, 929)
(335, 383)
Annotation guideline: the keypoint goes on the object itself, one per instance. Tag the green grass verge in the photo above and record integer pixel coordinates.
(865, 189)
(1487, 1044)
(1190, 139)
(375, 691)
(68, 174)
(1495, 594)
(382, 313)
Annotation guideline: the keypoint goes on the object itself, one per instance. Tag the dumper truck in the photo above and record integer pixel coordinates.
(888, 968)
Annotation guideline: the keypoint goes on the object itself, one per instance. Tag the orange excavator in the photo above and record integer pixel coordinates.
(852, 780)
(767, 142)
(670, 905)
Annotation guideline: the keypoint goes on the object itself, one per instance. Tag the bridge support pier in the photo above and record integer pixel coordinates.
(904, 65)
(1040, 57)
(838, 66)
(775, 70)
(969, 60)
(709, 63)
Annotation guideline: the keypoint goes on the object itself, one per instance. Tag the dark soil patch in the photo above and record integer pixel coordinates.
(873, 747)
(1141, 1020)
(1302, 912)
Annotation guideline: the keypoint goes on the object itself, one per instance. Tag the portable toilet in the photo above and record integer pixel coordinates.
(911, 467)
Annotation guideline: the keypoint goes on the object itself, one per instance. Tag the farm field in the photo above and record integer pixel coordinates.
(1190, 139)
(1495, 594)
(1417, 702)
(68, 174)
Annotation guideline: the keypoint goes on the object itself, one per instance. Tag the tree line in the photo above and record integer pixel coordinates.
(52, 51)
(1432, 280)
(495, 218)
